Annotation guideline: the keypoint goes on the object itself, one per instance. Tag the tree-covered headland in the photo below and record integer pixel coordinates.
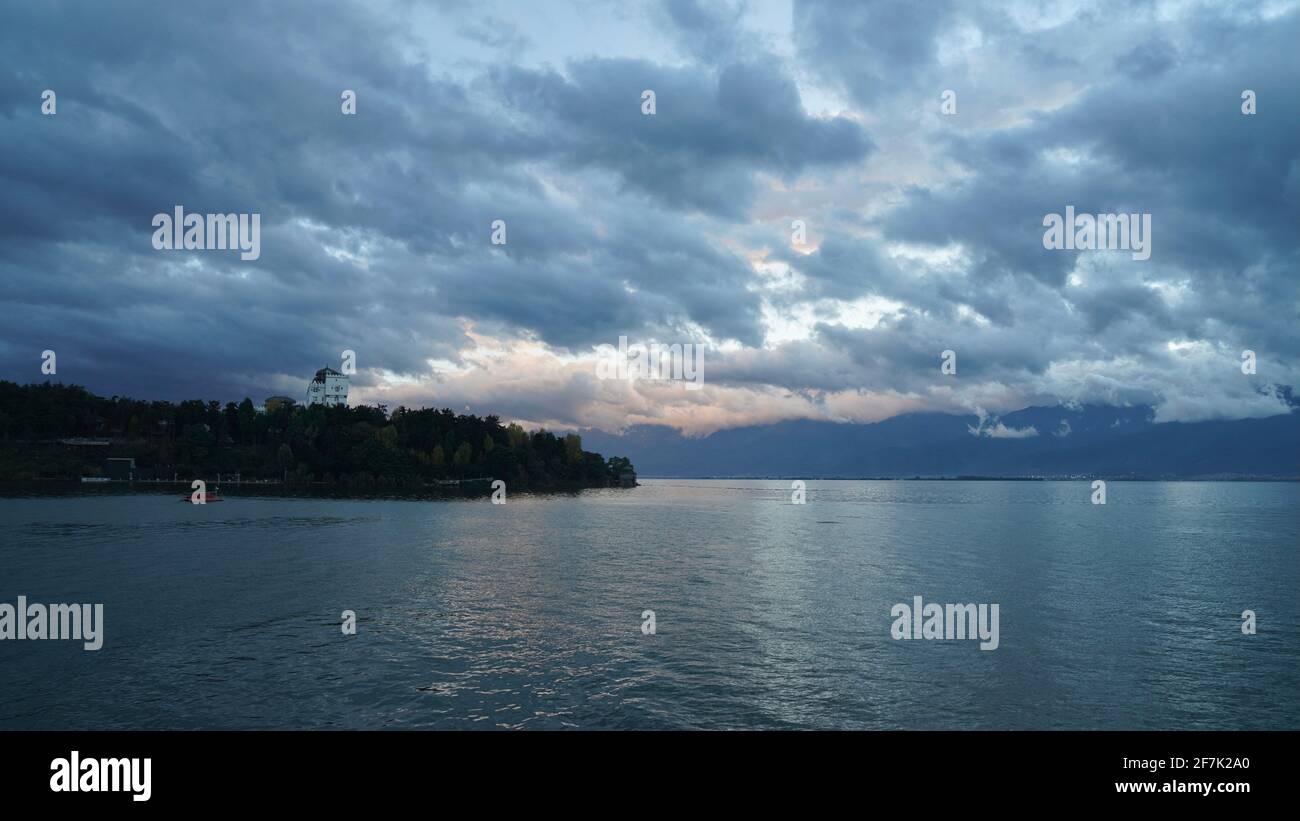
(56, 431)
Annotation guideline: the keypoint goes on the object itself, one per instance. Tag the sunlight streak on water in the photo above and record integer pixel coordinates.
(769, 614)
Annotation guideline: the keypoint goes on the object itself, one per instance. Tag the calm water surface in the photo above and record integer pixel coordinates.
(769, 615)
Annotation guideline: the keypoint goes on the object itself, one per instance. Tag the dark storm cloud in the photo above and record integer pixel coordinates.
(708, 137)
(1150, 59)
(238, 111)
(869, 47)
(1156, 129)
(376, 227)
(708, 29)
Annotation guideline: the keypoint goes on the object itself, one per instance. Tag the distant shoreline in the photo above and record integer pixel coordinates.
(63, 488)
(1088, 478)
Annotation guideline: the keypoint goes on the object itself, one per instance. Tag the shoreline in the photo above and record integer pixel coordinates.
(1080, 478)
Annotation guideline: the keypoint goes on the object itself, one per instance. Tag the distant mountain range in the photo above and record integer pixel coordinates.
(1061, 441)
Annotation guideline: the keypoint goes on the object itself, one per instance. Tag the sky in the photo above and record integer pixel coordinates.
(919, 145)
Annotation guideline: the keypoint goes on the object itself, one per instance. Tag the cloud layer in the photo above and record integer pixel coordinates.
(923, 229)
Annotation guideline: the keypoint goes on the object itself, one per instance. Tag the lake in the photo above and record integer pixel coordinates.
(766, 614)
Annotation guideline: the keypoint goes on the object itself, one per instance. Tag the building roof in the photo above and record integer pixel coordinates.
(324, 372)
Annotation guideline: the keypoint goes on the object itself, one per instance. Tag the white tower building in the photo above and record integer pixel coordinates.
(329, 387)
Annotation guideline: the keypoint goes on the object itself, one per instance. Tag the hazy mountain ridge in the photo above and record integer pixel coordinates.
(1037, 441)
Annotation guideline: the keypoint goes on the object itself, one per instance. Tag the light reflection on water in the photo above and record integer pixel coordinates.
(768, 614)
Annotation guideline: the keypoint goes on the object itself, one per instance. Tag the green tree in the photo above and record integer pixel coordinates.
(572, 447)
(618, 465)
(284, 457)
(515, 435)
(194, 445)
(464, 455)
(246, 422)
